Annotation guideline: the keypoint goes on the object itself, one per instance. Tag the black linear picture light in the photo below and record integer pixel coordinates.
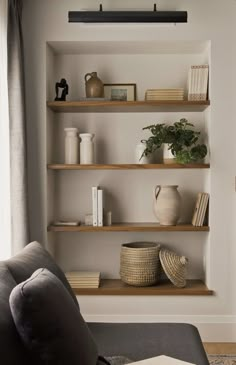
(154, 16)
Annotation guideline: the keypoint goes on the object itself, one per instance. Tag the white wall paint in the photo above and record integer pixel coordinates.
(213, 20)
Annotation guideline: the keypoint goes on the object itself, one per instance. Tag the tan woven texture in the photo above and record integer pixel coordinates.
(174, 267)
(140, 263)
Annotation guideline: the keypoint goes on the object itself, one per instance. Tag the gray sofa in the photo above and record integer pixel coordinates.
(134, 341)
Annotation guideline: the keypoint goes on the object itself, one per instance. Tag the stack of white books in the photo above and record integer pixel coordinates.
(97, 202)
(200, 210)
(164, 94)
(83, 279)
(198, 82)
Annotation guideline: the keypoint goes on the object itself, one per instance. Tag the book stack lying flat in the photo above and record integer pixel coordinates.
(83, 279)
(200, 210)
(164, 94)
(198, 82)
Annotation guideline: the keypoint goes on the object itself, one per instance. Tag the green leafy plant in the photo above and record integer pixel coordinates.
(181, 138)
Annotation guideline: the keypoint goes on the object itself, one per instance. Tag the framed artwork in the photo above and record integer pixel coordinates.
(120, 92)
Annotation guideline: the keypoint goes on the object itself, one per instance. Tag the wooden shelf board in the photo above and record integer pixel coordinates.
(117, 287)
(130, 227)
(128, 166)
(126, 106)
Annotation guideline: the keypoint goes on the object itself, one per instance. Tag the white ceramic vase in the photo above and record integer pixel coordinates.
(86, 148)
(139, 158)
(71, 146)
(168, 156)
(167, 204)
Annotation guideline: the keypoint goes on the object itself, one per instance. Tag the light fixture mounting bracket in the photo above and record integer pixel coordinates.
(127, 16)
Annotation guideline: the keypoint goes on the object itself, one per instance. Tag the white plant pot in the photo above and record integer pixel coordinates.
(168, 156)
(139, 159)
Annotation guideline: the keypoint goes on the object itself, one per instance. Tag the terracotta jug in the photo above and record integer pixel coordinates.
(94, 86)
(167, 204)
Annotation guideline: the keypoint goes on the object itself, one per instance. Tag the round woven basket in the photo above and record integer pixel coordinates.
(140, 263)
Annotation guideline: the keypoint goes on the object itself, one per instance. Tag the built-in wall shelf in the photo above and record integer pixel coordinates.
(117, 287)
(126, 106)
(130, 227)
(128, 166)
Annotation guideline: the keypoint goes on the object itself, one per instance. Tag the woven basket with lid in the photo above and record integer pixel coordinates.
(140, 263)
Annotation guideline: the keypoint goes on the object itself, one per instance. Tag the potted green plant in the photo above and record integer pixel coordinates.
(181, 138)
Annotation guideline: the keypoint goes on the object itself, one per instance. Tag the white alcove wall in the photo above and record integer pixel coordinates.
(128, 194)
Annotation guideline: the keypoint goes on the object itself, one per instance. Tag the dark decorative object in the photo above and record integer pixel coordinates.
(128, 16)
(65, 90)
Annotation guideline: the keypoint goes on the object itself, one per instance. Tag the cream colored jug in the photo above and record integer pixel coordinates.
(167, 204)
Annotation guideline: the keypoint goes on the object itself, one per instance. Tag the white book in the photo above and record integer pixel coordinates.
(195, 70)
(191, 95)
(66, 223)
(205, 82)
(201, 80)
(95, 205)
(198, 85)
(189, 82)
(162, 360)
(83, 274)
(100, 207)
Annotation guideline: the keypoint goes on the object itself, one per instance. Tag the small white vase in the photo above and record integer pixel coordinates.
(86, 148)
(139, 158)
(71, 146)
(167, 204)
(168, 156)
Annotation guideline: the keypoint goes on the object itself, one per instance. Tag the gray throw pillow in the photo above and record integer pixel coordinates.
(49, 322)
(30, 259)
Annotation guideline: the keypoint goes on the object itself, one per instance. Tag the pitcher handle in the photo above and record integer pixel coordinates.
(85, 77)
(157, 191)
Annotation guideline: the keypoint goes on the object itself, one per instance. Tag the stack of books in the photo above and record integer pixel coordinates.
(83, 279)
(164, 94)
(97, 202)
(200, 210)
(198, 82)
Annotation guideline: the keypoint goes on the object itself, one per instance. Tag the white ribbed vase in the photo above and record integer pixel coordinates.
(86, 148)
(71, 146)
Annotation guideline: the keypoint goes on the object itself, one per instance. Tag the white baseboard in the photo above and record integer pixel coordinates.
(211, 328)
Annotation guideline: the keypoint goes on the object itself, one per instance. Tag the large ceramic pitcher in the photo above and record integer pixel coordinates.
(94, 86)
(167, 204)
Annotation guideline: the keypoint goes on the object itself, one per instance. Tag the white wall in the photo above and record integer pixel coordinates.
(213, 20)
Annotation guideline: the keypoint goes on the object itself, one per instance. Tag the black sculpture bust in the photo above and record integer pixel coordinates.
(65, 90)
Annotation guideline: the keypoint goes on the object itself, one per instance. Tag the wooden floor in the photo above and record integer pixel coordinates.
(220, 348)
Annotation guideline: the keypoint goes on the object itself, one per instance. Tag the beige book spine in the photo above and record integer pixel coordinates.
(196, 209)
(204, 208)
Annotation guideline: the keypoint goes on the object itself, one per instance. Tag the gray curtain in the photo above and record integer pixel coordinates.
(18, 152)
